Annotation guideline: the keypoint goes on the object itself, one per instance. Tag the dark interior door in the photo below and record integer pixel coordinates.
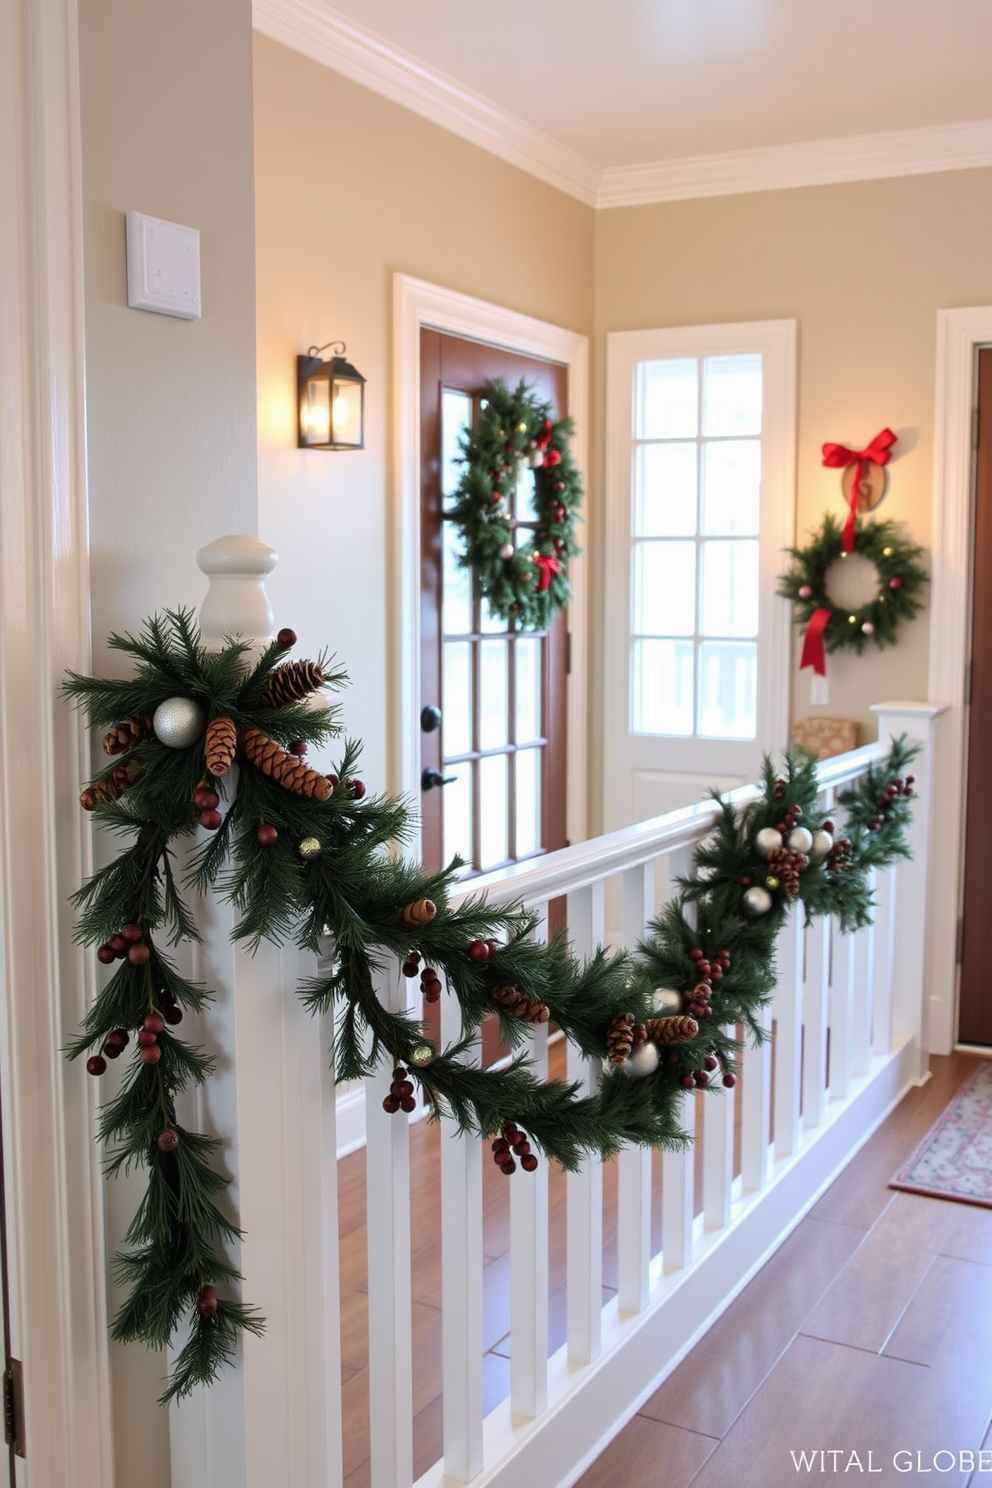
(975, 1006)
(499, 692)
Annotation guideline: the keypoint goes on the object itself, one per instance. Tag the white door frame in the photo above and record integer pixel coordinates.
(417, 304)
(55, 1215)
(959, 335)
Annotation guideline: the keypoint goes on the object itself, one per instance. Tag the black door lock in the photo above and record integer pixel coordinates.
(430, 718)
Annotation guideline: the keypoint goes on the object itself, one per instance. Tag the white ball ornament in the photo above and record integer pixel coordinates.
(800, 839)
(757, 901)
(767, 840)
(644, 1061)
(506, 550)
(535, 459)
(178, 722)
(822, 843)
(665, 1000)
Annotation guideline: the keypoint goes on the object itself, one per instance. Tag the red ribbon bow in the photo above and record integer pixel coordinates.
(548, 565)
(838, 457)
(813, 652)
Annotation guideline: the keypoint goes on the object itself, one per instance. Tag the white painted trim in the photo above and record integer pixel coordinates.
(959, 334)
(337, 42)
(341, 44)
(776, 340)
(53, 1185)
(417, 304)
(863, 157)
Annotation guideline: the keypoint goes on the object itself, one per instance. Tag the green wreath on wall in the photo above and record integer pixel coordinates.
(525, 582)
(900, 579)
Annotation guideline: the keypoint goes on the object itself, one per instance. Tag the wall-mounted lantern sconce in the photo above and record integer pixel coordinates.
(331, 401)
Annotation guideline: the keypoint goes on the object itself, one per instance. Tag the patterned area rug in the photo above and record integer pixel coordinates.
(954, 1160)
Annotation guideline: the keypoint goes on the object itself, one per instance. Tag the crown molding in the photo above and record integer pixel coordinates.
(864, 157)
(328, 37)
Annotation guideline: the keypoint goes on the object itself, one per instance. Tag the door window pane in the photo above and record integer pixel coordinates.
(665, 588)
(667, 399)
(456, 705)
(524, 506)
(662, 687)
(528, 689)
(494, 811)
(527, 763)
(456, 417)
(728, 584)
(732, 395)
(494, 696)
(665, 490)
(727, 689)
(457, 814)
(490, 624)
(456, 586)
(731, 480)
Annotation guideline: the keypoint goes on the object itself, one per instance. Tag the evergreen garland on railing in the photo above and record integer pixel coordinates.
(302, 855)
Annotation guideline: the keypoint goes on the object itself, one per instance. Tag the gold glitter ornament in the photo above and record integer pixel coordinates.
(772, 881)
(421, 1055)
(309, 848)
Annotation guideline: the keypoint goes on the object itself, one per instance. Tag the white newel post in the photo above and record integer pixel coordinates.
(910, 996)
(274, 1417)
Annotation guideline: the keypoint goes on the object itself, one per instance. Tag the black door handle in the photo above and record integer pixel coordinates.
(431, 777)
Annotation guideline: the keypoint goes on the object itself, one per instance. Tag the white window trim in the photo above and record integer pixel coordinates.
(416, 304)
(776, 341)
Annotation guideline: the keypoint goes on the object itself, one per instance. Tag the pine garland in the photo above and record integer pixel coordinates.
(521, 569)
(297, 865)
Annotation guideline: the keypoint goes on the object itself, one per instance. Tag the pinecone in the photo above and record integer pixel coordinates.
(110, 788)
(291, 682)
(620, 1037)
(220, 745)
(124, 736)
(519, 1004)
(285, 769)
(678, 1029)
(787, 866)
(419, 912)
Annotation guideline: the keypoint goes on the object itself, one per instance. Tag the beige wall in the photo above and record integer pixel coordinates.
(167, 129)
(864, 268)
(350, 189)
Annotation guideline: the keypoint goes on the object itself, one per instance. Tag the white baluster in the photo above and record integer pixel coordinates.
(634, 1163)
(756, 1105)
(864, 991)
(678, 1194)
(842, 993)
(718, 1156)
(529, 1260)
(788, 1007)
(886, 900)
(586, 926)
(390, 1301)
(461, 1279)
(816, 995)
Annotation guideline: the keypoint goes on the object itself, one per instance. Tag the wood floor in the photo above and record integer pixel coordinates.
(871, 1329)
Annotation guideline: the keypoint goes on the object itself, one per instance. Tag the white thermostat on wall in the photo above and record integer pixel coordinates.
(163, 266)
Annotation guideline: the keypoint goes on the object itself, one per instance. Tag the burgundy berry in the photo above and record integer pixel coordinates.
(266, 835)
(118, 945)
(286, 638)
(96, 1064)
(147, 1038)
(106, 954)
(153, 1023)
(298, 747)
(139, 954)
(206, 1302)
(356, 789)
(210, 819)
(167, 1140)
(478, 951)
(132, 934)
(173, 1014)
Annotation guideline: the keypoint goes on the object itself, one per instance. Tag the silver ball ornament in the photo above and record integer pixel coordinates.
(800, 839)
(665, 1000)
(767, 840)
(644, 1061)
(178, 722)
(506, 550)
(822, 843)
(535, 459)
(757, 901)
(867, 627)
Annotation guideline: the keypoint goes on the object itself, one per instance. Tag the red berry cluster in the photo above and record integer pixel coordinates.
(899, 787)
(127, 942)
(430, 982)
(840, 854)
(791, 818)
(513, 1143)
(206, 800)
(400, 1097)
(708, 972)
(354, 787)
(481, 950)
(206, 1302)
(148, 1044)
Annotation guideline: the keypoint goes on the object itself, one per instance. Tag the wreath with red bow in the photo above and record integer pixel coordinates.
(518, 536)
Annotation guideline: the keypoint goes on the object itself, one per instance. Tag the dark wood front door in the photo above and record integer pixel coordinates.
(500, 692)
(975, 1006)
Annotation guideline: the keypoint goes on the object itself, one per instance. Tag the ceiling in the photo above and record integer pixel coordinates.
(639, 83)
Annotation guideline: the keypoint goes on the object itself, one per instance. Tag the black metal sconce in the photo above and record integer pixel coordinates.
(331, 398)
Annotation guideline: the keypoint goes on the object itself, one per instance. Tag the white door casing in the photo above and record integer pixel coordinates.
(416, 304)
(646, 775)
